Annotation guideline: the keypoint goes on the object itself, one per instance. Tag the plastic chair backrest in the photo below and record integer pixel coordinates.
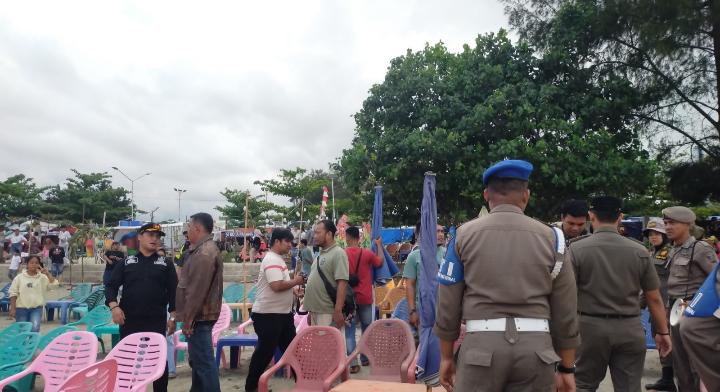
(5, 291)
(222, 323)
(12, 330)
(394, 296)
(141, 360)
(80, 291)
(389, 346)
(20, 349)
(50, 336)
(96, 298)
(100, 315)
(233, 293)
(98, 377)
(315, 354)
(380, 294)
(65, 355)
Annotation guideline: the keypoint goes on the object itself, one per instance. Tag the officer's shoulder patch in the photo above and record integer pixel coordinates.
(131, 260)
(160, 261)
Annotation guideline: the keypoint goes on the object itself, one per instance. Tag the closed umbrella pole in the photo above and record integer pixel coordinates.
(428, 364)
(388, 269)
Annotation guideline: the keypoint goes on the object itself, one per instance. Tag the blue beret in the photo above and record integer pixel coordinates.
(509, 168)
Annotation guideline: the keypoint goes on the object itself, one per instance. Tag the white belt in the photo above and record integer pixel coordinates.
(498, 325)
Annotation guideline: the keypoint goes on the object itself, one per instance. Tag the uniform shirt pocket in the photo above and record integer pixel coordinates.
(478, 358)
(548, 356)
(681, 265)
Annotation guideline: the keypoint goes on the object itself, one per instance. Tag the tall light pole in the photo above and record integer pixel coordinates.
(132, 190)
(180, 192)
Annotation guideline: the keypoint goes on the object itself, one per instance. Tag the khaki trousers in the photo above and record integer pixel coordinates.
(701, 340)
(615, 343)
(687, 379)
(508, 361)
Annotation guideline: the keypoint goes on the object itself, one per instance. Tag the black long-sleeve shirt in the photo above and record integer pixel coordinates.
(149, 284)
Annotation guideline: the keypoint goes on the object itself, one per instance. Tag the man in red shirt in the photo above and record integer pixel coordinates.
(361, 262)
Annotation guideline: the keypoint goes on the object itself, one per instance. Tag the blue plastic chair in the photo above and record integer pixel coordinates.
(17, 353)
(5, 298)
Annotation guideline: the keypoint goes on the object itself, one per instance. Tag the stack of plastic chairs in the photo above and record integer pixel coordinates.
(97, 317)
(5, 298)
(95, 298)
(141, 359)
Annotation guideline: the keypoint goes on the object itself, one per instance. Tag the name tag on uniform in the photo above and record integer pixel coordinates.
(131, 260)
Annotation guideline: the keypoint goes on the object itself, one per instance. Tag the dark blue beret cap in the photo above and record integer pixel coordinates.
(509, 168)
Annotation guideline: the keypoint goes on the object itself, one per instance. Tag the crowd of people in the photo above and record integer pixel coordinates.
(543, 307)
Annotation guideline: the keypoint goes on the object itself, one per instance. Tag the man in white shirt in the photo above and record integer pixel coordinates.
(64, 240)
(16, 242)
(272, 310)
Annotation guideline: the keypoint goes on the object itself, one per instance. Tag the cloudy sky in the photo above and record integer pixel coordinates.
(204, 95)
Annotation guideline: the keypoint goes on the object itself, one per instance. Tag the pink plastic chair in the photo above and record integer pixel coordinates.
(141, 360)
(222, 323)
(390, 348)
(65, 355)
(98, 377)
(301, 322)
(317, 355)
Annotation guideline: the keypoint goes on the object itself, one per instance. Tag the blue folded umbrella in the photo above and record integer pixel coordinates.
(388, 269)
(428, 364)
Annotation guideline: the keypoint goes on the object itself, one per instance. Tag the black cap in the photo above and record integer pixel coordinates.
(607, 204)
(151, 227)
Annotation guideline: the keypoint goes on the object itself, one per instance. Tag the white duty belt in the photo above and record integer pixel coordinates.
(498, 325)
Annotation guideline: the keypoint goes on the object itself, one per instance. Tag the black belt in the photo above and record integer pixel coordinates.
(609, 316)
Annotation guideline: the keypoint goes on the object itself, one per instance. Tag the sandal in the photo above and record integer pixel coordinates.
(354, 369)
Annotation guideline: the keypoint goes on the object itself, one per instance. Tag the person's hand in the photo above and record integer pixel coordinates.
(118, 316)
(447, 374)
(664, 344)
(171, 326)
(414, 319)
(298, 280)
(565, 382)
(187, 328)
(11, 313)
(44, 271)
(339, 319)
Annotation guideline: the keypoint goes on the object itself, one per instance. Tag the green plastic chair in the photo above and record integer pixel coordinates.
(17, 353)
(13, 330)
(99, 316)
(95, 298)
(48, 337)
(79, 292)
(234, 294)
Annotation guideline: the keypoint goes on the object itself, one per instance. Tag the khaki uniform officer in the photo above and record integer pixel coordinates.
(610, 271)
(517, 297)
(690, 263)
(701, 337)
(659, 251)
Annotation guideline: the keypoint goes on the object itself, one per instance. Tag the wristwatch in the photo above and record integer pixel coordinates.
(562, 369)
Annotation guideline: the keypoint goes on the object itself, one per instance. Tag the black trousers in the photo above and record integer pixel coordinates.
(139, 324)
(273, 330)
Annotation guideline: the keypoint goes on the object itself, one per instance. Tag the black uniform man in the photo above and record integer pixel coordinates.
(149, 282)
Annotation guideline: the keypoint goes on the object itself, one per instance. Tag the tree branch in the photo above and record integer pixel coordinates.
(680, 131)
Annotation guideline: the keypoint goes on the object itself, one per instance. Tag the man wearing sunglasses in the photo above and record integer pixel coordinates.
(149, 282)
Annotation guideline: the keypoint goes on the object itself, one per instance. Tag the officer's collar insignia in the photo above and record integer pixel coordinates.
(131, 260)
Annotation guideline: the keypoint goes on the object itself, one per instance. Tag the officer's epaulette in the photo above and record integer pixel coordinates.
(578, 238)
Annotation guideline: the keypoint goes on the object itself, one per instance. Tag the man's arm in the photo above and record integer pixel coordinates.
(113, 286)
(172, 282)
(563, 313)
(447, 364)
(705, 257)
(657, 312)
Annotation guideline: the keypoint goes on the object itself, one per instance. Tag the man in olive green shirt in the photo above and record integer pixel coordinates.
(334, 264)
(410, 271)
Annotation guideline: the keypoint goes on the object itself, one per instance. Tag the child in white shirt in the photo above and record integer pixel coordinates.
(14, 265)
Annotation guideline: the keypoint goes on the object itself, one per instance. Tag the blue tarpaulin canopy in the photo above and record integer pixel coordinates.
(397, 234)
(428, 364)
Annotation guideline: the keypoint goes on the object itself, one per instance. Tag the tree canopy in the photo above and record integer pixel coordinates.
(20, 197)
(86, 196)
(456, 114)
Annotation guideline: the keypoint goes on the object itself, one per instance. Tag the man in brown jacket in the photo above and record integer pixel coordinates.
(199, 298)
(518, 298)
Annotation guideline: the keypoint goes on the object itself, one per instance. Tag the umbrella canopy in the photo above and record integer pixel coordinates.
(428, 364)
(388, 269)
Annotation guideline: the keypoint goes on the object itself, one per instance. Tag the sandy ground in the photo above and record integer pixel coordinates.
(234, 379)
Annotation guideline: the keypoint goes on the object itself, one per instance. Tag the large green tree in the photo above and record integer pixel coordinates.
(668, 50)
(85, 197)
(20, 197)
(259, 210)
(456, 114)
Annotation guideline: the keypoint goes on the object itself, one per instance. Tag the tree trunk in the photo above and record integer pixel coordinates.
(715, 19)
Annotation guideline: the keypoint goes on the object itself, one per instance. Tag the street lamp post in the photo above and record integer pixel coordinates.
(132, 189)
(180, 192)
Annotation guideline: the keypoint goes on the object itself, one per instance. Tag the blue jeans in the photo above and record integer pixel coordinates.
(205, 377)
(171, 354)
(364, 315)
(33, 315)
(56, 269)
